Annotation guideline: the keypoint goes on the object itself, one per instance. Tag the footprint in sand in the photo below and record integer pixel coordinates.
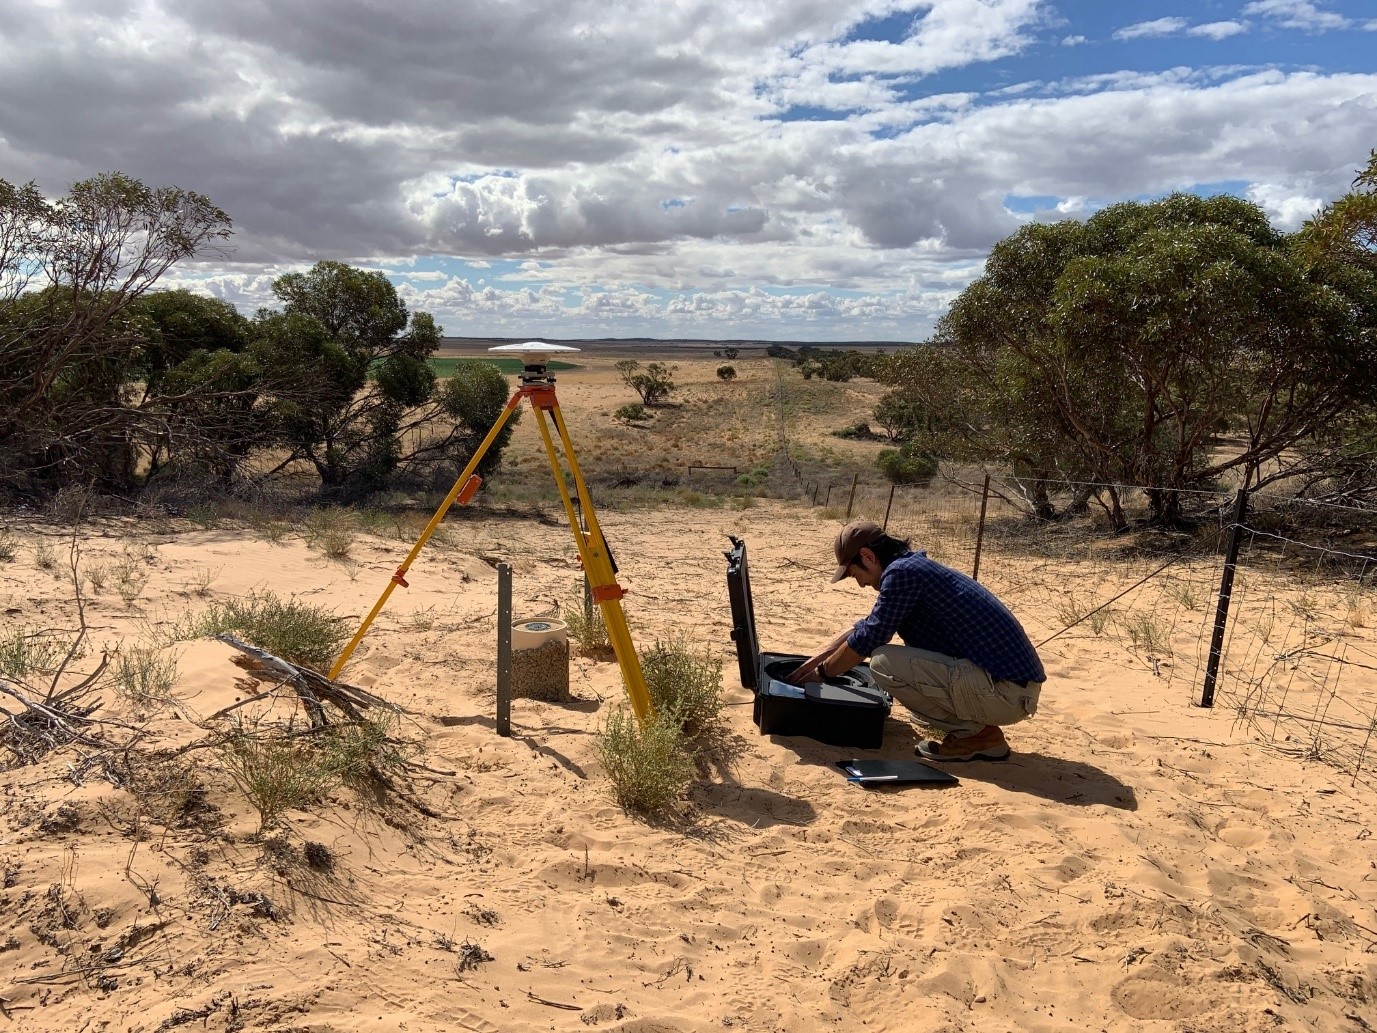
(1157, 994)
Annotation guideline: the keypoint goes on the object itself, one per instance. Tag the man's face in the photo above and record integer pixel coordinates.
(865, 570)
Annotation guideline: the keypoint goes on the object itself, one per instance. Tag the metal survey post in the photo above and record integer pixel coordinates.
(504, 649)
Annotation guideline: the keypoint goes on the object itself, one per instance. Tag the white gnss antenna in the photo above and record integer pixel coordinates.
(534, 357)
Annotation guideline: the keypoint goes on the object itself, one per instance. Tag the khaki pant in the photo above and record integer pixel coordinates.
(953, 695)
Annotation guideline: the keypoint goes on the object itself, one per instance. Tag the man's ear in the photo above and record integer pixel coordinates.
(868, 555)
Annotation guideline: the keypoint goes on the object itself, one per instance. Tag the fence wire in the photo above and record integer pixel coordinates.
(1299, 658)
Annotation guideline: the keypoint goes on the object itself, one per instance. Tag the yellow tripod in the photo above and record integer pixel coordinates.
(539, 387)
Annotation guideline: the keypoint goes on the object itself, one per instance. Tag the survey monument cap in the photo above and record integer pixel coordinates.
(851, 539)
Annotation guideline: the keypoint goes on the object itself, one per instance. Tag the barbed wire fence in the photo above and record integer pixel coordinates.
(1297, 655)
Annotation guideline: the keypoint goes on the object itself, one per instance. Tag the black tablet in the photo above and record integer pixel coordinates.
(894, 773)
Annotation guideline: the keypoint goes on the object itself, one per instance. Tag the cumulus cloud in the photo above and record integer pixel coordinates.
(699, 165)
(1297, 14)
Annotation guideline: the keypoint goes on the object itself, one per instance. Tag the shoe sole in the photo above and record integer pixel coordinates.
(964, 759)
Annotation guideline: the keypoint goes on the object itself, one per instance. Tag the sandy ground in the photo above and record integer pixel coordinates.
(1138, 864)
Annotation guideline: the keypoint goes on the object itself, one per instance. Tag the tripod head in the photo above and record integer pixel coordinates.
(535, 356)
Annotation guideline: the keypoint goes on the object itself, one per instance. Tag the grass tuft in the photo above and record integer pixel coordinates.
(145, 675)
(584, 619)
(648, 763)
(290, 629)
(332, 531)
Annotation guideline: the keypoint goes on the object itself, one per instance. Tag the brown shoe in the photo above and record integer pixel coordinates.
(986, 744)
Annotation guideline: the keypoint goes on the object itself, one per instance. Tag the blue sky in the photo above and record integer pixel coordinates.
(777, 169)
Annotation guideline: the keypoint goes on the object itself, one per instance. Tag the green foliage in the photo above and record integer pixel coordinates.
(584, 619)
(473, 397)
(903, 415)
(648, 763)
(726, 373)
(654, 383)
(834, 364)
(338, 326)
(295, 631)
(1117, 350)
(686, 684)
(69, 351)
(24, 652)
(633, 412)
(144, 674)
(731, 353)
(906, 465)
(445, 366)
(277, 772)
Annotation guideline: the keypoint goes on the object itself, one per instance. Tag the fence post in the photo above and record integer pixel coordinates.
(1226, 588)
(888, 504)
(980, 528)
(828, 497)
(504, 649)
(852, 497)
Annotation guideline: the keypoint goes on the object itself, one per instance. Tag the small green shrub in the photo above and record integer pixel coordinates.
(857, 432)
(332, 531)
(726, 373)
(905, 466)
(362, 750)
(295, 631)
(276, 772)
(145, 675)
(635, 412)
(585, 623)
(647, 762)
(23, 652)
(8, 550)
(684, 683)
(44, 558)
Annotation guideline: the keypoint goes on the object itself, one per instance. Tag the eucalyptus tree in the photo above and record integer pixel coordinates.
(1121, 349)
(70, 270)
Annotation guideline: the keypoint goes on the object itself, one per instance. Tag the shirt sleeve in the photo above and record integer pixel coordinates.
(900, 591)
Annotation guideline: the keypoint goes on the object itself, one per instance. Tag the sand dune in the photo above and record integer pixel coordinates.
(1136, 865)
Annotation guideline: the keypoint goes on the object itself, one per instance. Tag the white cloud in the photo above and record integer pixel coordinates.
(640, 163)
(1284, 204)
(1156, 27)
(1074, 41)
(1217, 30)
(1297, 14)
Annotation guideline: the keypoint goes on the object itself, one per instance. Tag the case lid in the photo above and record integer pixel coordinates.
(743, 613)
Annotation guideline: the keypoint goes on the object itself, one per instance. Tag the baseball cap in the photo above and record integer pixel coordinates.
(851, 539)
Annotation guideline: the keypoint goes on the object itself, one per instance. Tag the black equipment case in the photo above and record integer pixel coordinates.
(848, 710)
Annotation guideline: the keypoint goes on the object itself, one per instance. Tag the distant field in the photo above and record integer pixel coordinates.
(445, 367)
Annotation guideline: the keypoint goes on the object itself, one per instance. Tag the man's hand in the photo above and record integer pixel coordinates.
(800, 673)
(813, 665)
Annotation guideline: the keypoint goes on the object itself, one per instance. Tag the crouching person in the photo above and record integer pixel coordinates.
(966, 666)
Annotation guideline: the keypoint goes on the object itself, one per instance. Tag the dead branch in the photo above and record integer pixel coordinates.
(313, 688)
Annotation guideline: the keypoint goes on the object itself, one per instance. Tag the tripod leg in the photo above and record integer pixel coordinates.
(399, 578)
(597, 561)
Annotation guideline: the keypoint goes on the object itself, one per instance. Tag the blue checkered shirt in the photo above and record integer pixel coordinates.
(936, 608)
